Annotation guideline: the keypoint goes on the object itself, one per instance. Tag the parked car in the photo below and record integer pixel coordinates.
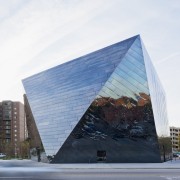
(176, 155)
(2, 155)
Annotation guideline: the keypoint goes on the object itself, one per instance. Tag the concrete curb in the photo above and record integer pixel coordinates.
(115, 166)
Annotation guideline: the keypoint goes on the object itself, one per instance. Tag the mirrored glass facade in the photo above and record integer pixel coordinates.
(99, 107)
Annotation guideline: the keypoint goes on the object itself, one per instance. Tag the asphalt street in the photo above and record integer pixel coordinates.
(103, 174)
(29, 170)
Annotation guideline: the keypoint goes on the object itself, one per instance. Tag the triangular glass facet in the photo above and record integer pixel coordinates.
(119, 124)
(60, 96)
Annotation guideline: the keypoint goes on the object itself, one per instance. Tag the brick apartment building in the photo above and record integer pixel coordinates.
(12, 126)
(33, 134)
(175, 138)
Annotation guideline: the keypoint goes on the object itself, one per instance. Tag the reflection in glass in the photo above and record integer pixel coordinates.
(120, 120)
(101, 107)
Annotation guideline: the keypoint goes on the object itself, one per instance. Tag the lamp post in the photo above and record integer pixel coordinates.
(164, 154)
(38, 154)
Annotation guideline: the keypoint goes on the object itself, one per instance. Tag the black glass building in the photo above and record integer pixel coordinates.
(106, 106)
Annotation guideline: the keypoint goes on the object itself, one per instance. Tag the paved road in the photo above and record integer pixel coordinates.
(36, 171)
(91, 174)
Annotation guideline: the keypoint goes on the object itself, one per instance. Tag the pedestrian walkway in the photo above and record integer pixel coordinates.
(174, 164)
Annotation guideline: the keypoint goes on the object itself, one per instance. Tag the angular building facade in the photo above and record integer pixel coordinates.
(106, 106)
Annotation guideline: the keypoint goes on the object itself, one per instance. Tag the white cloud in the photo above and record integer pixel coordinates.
(169, 58)
(38, 34)
(35, 27)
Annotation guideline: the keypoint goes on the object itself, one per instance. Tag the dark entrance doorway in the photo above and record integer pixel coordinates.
(101, 156)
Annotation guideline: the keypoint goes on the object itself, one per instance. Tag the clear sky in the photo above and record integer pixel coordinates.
(38, 34)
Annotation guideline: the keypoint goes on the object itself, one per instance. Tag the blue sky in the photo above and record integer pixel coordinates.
(38, 34)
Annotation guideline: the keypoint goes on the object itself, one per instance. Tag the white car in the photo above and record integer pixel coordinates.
(2, 155)
(176, 155)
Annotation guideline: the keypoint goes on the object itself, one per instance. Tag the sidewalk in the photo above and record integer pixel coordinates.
(174, 164)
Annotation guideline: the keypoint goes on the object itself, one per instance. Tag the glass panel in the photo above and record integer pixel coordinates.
(60, 96)
(119, 122)
(98, 107)
(159, 107)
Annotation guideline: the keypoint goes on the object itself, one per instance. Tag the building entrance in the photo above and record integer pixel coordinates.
(101, 156)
